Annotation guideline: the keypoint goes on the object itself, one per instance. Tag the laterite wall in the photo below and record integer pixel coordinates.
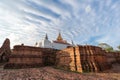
(82, 59)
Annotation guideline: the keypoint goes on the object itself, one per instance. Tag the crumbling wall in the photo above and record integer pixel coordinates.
(83, 59)
(49, 56)
(93, 59)
(113, 57)
(5, 51)
(24, 56)
(27, 56)
(65, 60)
(69, 59)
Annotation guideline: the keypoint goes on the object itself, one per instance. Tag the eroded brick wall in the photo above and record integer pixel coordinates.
(82, 59)
(113, 57)
(26, 56)
(65, 59)
(5, 51)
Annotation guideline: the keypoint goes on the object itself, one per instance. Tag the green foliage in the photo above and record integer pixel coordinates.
(110, 49)
(118, 47)
(106, 47)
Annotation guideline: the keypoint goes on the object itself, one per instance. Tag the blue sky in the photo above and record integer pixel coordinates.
(83, 21)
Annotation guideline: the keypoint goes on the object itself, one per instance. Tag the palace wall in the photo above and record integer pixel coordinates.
(82, 59)
(65, 59)
(79, 58)
(5, 51)
(113, 57)
(26, 56)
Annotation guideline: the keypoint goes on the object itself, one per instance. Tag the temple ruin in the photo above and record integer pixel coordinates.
(78, 58)
(5, 51)
(83, 59)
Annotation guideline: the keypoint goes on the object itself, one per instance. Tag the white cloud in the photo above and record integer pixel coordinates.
(88, 9)
(78, 20)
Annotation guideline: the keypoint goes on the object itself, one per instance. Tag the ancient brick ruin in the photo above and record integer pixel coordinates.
(82, 59)
(78, 58)
(5, 51)
(113, 57)
(27, 57)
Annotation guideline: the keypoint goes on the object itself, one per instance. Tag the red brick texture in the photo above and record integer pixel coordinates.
(82, 59)
(79, 58)
(5, 51)
(26, 56)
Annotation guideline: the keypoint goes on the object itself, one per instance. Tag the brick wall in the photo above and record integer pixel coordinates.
(82, 59)
(79, 58)
(113, 57)
(26, 56)
(5, 51)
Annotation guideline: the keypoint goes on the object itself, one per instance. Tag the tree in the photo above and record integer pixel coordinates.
(118, 47)
(106, 47)
(110, 49)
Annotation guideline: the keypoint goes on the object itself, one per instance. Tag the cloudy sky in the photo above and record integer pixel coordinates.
(83, 21)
